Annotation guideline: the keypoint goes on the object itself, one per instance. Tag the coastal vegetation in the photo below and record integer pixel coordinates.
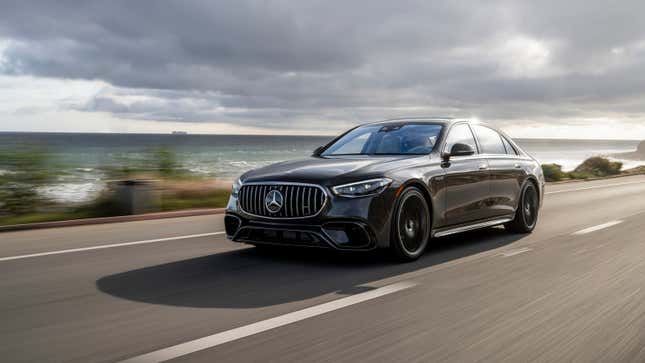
(553, 172)
(25, 173)
(594, 167)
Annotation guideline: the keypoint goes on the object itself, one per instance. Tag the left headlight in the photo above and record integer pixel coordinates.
(362, 188)
(236, 188)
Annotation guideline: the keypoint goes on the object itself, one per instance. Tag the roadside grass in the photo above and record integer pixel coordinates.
(214, 199)
(38, 217)
(175, 195)
(636, 170)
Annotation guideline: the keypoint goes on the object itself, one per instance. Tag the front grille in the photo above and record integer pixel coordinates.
(298, 201)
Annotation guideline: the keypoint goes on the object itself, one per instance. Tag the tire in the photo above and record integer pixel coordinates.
(526, 215)
(411, 224)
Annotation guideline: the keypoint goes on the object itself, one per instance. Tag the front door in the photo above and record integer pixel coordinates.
(467, 180)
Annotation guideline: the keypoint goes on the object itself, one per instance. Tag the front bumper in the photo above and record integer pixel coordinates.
(356, 224)
(340, 235)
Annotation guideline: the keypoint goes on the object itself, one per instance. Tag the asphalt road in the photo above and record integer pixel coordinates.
(574, 290)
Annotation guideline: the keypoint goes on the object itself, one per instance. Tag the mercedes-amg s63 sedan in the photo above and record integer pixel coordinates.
(394, 184)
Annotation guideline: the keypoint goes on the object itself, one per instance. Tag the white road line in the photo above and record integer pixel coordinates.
(594, 187)
(109, 246)
(515, 252)
(265, 325)
(597, 228)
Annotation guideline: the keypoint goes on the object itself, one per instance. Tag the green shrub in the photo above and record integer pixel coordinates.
(553, 172)
(596, 167)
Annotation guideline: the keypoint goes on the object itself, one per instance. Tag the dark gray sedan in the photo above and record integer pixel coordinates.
(394, 184)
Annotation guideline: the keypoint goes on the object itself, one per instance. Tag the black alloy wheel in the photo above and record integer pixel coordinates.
(526, 216)
(411, 225)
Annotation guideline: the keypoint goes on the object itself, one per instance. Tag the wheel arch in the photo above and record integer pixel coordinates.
(530, 179)
(423, 188)
(420, 188)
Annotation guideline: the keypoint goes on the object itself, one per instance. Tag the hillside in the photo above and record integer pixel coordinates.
(639, 154)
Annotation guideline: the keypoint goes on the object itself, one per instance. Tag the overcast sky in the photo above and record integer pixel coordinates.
(536, 69)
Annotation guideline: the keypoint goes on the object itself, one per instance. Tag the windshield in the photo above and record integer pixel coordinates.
(394, 139)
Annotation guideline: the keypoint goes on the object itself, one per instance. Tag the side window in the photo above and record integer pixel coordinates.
(460, 134)
(489, 140)
(509, 148)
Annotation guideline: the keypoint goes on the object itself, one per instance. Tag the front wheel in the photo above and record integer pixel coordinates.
(526, 216)
(411, 225)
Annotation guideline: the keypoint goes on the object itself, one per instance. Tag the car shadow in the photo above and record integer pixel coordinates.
(258, 277)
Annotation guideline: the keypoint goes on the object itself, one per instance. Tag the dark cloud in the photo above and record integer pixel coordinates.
(272, 63)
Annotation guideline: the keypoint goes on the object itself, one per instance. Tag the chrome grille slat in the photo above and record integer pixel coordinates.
(263, 192)
(292, 202)
(249, 195)
(298, 205)
(286, 204)
(251, 199)
(256, 199)
(308, 200)
(299, 200)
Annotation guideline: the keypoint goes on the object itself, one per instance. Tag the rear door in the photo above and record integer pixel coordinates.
(467, 180)
(505, 171)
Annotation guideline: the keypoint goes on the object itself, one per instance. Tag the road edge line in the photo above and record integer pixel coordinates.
(598, 227)
(112, 245)
(113, 219)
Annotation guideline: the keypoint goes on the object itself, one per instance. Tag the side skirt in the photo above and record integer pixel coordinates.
(469, 227)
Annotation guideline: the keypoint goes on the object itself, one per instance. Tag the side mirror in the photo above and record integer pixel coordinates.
(458, 149)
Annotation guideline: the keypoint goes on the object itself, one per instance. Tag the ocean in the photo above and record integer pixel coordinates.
(83, 158)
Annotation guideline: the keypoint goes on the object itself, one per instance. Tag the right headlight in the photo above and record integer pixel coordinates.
(236, 188)
(362, 188)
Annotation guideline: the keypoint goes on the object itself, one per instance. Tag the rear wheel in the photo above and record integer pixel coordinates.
(411, 225)
(526, 216)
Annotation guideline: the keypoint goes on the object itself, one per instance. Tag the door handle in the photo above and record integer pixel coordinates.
(517, 166)
(483, 166)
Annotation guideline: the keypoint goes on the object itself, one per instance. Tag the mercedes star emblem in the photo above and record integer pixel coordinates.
(273, 201)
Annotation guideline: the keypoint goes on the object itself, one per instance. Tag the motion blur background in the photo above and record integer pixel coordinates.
(187, 95)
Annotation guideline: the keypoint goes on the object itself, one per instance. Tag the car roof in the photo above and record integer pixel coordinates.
(446, 121)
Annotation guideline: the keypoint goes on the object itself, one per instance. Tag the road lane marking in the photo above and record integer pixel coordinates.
(265, 325)
(515, 252)
(594, 187)
(109, 246)
(597, 228)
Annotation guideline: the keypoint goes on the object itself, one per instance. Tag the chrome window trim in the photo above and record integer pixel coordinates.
(322, 207)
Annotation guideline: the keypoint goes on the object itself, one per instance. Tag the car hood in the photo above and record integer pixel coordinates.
(328, 170)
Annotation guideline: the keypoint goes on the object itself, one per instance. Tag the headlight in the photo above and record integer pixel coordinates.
(362, 188)
(236, 188)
